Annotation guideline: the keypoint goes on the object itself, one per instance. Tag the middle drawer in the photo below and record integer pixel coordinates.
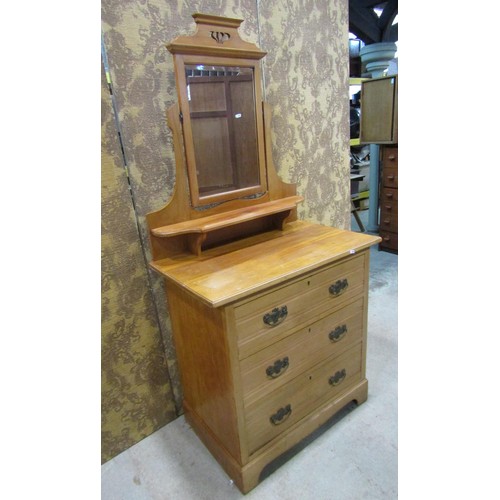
(390, 177)
(273, 316)
(274, 366)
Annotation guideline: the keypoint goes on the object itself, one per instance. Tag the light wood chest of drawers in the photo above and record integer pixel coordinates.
(270, 334)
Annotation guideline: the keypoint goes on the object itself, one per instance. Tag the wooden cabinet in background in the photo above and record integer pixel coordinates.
(379, 111)
(388, 226)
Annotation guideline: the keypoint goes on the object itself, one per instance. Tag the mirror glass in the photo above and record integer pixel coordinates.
(224, 129)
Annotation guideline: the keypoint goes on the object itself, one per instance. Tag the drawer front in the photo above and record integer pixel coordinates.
(273, 316)
(390, 156)
(273, 367)
(389, 240)
(281, 409)
(389, 222)
(390, 177)
(389, 196)
(388, 209)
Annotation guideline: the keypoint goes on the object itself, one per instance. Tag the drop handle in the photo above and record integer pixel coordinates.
(339, 287)
(390, 177)
(338, 378)
(281, 415)
(389, 195)
(388, 207)
(391, 157)
(338, 334)
(278, 368)
(276, 316)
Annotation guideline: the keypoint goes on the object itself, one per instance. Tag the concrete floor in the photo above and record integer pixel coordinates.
(354, 459)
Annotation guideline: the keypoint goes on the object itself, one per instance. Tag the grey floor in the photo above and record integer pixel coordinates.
(354, 459)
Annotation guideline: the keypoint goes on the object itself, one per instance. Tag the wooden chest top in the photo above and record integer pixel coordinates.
(236, 270)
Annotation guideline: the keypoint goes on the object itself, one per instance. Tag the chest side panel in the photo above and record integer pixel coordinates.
(205, 365)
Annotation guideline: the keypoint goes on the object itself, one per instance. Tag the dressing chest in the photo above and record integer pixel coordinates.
(268, 313)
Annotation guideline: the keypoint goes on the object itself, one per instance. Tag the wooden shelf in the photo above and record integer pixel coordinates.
(357, 81)
(198, 229)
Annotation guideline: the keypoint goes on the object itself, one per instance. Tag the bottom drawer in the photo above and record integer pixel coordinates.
(281, 409)
(388, 221)
(389, 240)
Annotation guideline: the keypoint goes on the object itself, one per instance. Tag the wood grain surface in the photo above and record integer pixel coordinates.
(236, 270)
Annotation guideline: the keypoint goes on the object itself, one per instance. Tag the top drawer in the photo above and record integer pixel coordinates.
(390, 156)
(270, 317)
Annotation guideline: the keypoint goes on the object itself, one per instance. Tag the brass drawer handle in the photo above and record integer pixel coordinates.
(339, 287)
(389, 195)
(338, 378)
(338, 334)
(276, 316)
(388, 207)
(391, 157)
(281, 415)
(390, 177)
(278, 368)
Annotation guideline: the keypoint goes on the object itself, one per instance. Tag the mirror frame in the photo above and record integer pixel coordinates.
(217, 43)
